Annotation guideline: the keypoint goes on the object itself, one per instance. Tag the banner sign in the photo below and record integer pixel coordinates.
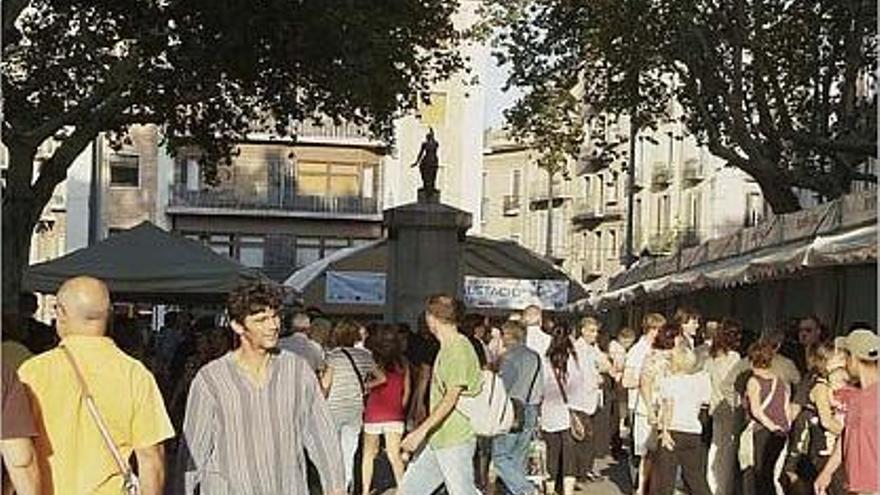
(355, 288)
(510, 293)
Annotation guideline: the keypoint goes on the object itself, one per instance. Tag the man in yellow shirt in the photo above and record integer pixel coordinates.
(72, 454)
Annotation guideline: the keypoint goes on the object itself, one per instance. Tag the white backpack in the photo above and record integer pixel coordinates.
(490, 412)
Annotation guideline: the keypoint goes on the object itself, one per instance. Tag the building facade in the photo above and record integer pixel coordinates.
(683, 196)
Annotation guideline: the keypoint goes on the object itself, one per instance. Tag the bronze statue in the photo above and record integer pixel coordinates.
(428, 163)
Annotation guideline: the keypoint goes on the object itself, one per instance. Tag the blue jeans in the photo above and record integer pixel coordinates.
(451, 466)
(509, 453)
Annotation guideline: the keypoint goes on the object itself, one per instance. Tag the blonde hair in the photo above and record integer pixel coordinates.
(683, 361)
(653, 320)
(590, 321)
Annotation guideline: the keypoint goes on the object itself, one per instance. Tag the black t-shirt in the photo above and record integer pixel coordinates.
(479, 349)
(422, 350)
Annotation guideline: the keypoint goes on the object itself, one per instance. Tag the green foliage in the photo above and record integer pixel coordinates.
(212, 70)
(784, 90)
(207, 72)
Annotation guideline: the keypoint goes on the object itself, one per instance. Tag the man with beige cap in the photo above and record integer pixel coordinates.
(94, 405)
(856, 449)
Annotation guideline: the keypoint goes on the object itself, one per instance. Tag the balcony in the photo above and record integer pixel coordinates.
(661, 243)
(589, 215)
(226, 200)
(692, 173)
(661, 176)
(511, 205)
(689, 237)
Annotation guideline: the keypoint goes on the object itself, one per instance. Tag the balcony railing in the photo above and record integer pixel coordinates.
(586, 212)
(232, 199)
(511, 205)
(692, 172)
(661, 176)
(662, 243)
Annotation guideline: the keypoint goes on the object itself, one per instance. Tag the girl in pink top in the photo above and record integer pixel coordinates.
(385, 411)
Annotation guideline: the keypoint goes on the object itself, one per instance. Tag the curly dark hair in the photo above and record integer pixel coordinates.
(251, 298)
(385, 344)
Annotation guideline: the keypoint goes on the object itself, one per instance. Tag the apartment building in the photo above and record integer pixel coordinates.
(278, 205)
(683, 196)
(517, 198)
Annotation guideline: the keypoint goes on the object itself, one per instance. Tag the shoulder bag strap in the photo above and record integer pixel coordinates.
(561, 388)
(124, 468)
(769, 397)
(534, 378)
(356, 370)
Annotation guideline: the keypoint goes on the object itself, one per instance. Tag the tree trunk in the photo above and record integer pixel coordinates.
(20, 215)
(548, 249)
(777, 193)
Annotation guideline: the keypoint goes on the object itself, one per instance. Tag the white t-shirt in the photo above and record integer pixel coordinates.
(586, 395)
(635, 360)
(554, 412)
(688, 393)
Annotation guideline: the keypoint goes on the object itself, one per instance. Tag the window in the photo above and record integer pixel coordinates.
(124, 171)
(612, 245)
(322, 179)
(597, 251)
(308, 250)
(250, 251)
(754, 209)
(221, 244)
(331, 245)
(666, 212)
(516, 183)
(696, 211)
(484, 201)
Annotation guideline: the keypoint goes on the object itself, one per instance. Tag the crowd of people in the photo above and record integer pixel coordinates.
(278, 402)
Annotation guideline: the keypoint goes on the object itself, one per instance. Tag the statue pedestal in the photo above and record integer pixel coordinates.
(425, 256)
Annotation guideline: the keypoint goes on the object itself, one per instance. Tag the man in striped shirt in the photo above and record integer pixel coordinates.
(251, 412)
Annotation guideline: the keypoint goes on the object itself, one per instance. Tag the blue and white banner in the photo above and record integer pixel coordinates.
(355, 288)
(510, 293)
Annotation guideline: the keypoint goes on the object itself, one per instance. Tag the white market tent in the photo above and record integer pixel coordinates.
(483, 257)
(146, 263)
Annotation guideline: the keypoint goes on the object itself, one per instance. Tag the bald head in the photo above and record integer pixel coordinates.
(84, 306)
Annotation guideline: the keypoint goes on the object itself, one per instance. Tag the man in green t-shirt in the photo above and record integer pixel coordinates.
(448, 456)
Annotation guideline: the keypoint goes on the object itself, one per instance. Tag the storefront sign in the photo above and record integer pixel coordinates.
(509, 293)
(355, 288)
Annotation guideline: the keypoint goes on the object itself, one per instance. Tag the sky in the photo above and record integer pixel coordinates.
(496, 99)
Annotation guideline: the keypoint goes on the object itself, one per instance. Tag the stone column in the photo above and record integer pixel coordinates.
(425, 256)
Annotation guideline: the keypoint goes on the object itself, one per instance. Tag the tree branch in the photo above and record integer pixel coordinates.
(11, 10)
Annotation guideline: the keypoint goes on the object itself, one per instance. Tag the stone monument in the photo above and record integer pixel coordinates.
(425, 246)
(428, 164)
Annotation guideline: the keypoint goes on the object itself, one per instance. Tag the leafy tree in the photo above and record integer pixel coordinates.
(549, 121)
(206, 71)
(783, 90)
